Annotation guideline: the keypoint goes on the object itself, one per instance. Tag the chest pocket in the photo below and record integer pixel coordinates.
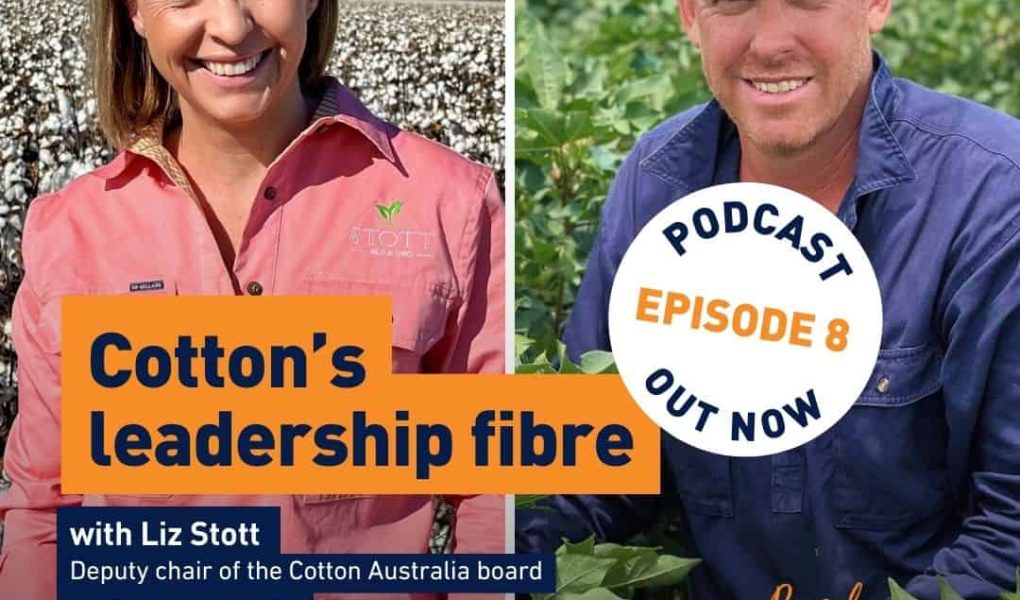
(421, 308)
(890, 467)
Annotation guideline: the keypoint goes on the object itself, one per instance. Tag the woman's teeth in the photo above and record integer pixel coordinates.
(780, 87)
(233, 69)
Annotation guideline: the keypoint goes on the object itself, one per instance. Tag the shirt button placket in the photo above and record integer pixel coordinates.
(254, 288)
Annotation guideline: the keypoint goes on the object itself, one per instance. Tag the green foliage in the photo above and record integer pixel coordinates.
(610, 571)
(946, 591)
(527, 500)
(898, 593)
(596, 362)
(969, 48)
(1015, 595)
(593, 75)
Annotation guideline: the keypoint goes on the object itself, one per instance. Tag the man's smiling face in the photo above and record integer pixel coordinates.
(788, 72)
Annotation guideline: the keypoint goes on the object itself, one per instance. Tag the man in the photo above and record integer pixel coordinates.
(922, 476)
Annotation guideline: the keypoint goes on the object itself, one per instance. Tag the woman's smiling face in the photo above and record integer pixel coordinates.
(228, 60)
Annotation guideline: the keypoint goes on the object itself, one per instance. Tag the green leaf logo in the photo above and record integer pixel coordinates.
(388, 211)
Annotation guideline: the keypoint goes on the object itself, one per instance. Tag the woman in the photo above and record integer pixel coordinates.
(245, 171)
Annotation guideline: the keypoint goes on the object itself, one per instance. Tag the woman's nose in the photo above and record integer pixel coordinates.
(229, 21)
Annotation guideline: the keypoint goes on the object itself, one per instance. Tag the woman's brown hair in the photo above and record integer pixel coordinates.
(130, 93)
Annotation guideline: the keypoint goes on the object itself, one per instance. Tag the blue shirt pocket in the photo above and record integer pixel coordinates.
(890, 465)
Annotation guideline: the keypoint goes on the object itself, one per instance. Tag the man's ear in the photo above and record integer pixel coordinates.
(689, 20)
(878, 14)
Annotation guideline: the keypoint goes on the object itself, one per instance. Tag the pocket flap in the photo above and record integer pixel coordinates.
(903, 375)
(420, 307)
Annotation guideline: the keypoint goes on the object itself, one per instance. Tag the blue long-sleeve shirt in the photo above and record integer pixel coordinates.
(922, 476)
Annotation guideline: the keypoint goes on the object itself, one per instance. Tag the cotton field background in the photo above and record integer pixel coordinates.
(435, 68)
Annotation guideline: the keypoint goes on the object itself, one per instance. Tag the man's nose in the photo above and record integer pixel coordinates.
(229, 21)
(774, 34)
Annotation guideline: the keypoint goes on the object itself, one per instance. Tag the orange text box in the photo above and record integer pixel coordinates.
(586, 417)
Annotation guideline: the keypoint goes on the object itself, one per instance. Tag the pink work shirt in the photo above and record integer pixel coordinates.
(323, 223)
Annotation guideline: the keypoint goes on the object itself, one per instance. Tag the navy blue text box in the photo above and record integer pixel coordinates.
(227, 552)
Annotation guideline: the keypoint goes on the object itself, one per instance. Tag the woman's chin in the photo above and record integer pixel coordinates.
(235, 112)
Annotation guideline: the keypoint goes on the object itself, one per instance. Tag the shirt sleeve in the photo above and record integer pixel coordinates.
(477, 342)
(981, 386)
(32, 457)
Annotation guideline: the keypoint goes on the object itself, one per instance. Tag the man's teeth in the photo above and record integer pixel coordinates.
(780, 87)
(232, 69)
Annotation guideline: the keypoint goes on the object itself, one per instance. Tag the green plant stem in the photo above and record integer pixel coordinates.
(565, 186)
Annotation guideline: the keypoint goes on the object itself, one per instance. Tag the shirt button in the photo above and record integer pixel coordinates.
(883, 385)
(254, 288)
(269, 193)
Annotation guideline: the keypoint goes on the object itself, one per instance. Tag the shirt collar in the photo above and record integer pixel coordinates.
(337, 104)
(340, 105)
(689, 157)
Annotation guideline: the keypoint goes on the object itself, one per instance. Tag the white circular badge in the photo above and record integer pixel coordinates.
(745, 319)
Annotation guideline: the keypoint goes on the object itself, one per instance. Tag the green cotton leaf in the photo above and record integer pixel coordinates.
(946, 591)
(534, 369)
(527, 500)
(599, 593)
(623, 552)
(522, 343)
(567, 367)
(585, 547)
(577, 573)
(552, 128)
(621, 576)
(598, 362)
(604, 158)
(1013, 595)
(655, 571)
(384, 211)
(526, 25)
(395, 208)
(898, 593)
(654, 90)
(546, 67)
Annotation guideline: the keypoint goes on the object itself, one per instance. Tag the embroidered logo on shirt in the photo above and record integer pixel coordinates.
(391, 243)
(389, 211)
(386, 241)
(146, 286)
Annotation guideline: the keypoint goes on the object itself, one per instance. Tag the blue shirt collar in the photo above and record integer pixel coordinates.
(690, 157)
